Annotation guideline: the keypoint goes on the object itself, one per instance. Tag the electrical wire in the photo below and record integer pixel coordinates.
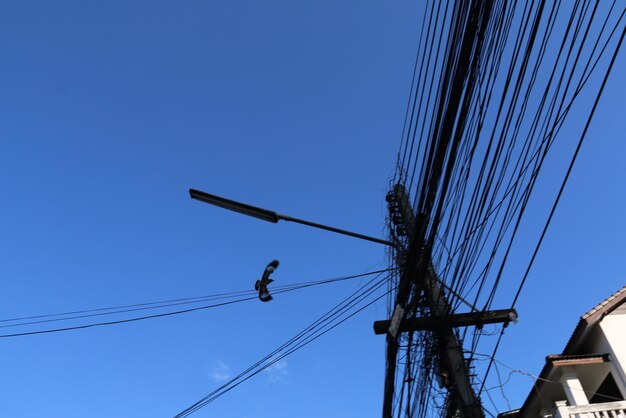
(277, 290)
(343, 311)
(513, 371)
(509, 79)
(194, 299)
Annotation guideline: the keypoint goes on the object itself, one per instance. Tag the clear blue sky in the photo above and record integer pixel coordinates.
(110, 111)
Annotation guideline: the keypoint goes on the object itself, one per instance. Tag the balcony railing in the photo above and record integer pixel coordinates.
(598, 410)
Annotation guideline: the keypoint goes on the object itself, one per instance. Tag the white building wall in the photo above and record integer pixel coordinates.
(613, 328)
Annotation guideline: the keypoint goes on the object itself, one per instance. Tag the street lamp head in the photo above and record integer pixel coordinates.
(266, 215)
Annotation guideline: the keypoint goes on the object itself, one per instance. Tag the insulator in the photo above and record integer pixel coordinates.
(390, 197)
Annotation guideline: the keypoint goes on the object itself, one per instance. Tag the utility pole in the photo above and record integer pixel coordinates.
(418, 276)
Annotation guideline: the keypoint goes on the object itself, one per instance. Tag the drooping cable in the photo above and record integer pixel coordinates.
(368, 294)
(230, 295)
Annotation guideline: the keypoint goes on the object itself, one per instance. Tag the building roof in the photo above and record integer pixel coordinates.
(570, 354)
(576, 359)
(592, 317)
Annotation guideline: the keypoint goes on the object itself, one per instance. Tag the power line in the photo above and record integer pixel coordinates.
(181, 301)
(476, 162)
(561, 189)
(343, 311)
(122, 321)
(513, 371)
(277, 290)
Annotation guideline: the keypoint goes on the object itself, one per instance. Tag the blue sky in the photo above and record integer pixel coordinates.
(110, 111)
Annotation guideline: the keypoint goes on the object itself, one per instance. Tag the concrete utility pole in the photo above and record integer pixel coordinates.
(417, 276)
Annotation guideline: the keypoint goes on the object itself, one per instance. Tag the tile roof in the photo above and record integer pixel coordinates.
(608, 304)
(594, 315)
(557, 357)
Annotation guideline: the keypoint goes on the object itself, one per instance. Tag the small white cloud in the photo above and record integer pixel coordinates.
(276, 372)
(220, 372)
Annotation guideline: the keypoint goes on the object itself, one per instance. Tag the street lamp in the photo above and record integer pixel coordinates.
(271, 216)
